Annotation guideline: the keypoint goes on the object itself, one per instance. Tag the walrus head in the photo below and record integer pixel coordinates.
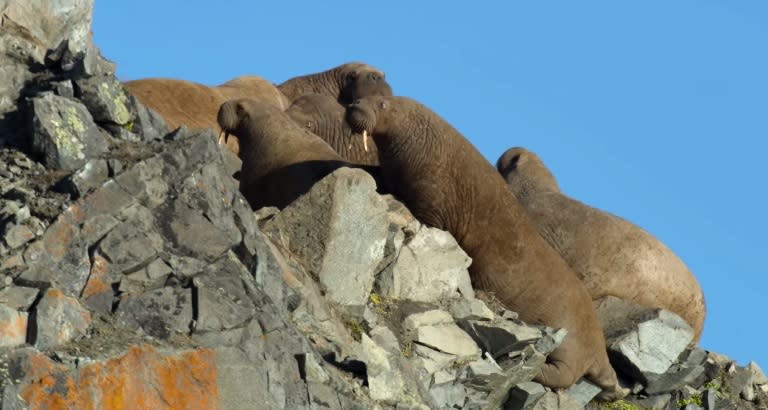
(361, 80)
(525, 173)
(234, 115)
(363, 116)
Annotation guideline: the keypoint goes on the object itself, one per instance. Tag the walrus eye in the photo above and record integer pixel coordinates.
(513, 162)
(239, 110)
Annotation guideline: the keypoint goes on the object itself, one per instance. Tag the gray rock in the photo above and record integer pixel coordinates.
(48, 24)
(134, 243)
(758, 377)
(427, 318)
(616, 314)
(94, 229)
(337, 231)
(550, 340)
(18, 297)
(709, 398)
(91, 176)
(14, 327)
(145, 181)
(556, 400)
(449, 396)
(183, 265)
(522, 368)
(524, 395)
(194, 234)
(221, 294)
(688, 370)
(583, 391)
(651, 346)
(242, 382)
(447, 338)
(58, 320)
(431, 266)
(470, 309)
(323, 397)
(430, 360)
(147, 122)
(105, 99)
(484, 368)
(385, 383)
(159, 313)
(64, 132)
(64, 88)
(385, 338)
(60, 258)
(17, 235)
(499, 337)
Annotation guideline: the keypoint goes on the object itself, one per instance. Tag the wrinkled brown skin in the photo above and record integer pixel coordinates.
(324, 116)
(346, 83)
(195, 105)
(447, 184)
(281, 160)
(611, 255)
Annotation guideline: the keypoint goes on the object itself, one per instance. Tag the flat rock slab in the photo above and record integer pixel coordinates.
(13, 327)
(447, 338)
(652, 346)
(185, 379)
(64, 132)
(59, 319)
(337, 231)
(160, 313)
(430, 267)
(500, 336)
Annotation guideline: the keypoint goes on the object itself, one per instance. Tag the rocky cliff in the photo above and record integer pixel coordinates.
(133, 274)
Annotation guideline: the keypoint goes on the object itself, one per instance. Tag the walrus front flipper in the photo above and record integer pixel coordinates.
(556, 373)
(605, 377)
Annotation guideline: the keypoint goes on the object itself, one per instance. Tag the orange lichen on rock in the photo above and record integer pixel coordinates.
(98, 279)
(141, 379)
(13, 327)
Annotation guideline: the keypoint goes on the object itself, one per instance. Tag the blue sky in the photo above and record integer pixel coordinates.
(655, 111)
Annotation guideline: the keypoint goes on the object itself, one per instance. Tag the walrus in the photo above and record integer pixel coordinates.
(324, 116)
(281, 160)
(195, 105)
(611, 255)
(446, 183)
(346, 83)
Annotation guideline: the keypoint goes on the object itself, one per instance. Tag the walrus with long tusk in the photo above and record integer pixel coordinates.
(446, 183)
(345, 83)
(281, 160)
(611, 255)
(195, 105)
(324, 116)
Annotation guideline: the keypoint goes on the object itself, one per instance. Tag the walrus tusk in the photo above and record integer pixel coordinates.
(365, 140)
(223, 137)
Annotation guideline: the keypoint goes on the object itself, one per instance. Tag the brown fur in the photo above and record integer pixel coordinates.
(611, 255)
(281, 160)
(446, 183)
(324, 116)
(195, 105)
(346, 83)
